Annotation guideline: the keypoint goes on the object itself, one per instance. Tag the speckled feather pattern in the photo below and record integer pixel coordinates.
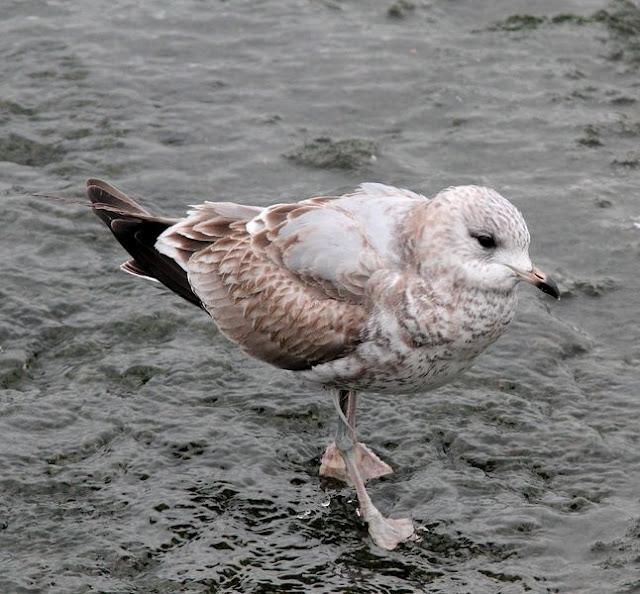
(363, 291)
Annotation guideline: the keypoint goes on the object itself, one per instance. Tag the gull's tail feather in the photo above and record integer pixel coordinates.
(137, 231)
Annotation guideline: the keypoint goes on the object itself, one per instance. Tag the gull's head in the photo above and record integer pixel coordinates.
(482, 238)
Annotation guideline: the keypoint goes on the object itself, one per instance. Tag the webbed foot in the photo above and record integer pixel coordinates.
(369, 465)
(388, 533)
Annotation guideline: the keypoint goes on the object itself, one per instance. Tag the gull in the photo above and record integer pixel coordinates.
(381, 289)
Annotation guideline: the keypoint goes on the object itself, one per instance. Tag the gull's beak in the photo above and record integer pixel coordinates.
(539, 279)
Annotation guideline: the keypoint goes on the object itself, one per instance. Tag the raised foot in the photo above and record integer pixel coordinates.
(369, 465)
(388, 533)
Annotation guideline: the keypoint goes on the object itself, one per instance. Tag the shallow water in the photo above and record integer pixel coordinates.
(141, 452)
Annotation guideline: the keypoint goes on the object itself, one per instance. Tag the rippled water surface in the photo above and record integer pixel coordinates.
(140, 452)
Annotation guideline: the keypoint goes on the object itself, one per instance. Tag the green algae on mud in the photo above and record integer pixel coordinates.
(13, 108)
(400, 9)
(622, 18)
(591, 137)
(630, 161)
(23, 151)
(325, 153)
(518, 22)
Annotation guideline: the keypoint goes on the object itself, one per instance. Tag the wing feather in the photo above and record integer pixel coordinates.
(289, 282)
(268, 311)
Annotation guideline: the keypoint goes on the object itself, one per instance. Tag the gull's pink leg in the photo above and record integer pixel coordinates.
(369, 465)
(351, 412)
(385, 532)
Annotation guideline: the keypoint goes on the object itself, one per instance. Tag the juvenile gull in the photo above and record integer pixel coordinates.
(381, 289)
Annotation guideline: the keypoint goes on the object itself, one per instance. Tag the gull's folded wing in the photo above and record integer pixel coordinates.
(289, 285)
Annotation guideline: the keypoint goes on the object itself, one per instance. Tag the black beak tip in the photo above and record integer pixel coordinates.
(549, 287)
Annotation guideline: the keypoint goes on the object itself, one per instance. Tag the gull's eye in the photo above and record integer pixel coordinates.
(486, 241)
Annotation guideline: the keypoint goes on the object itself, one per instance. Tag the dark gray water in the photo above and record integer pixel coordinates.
(141, 452)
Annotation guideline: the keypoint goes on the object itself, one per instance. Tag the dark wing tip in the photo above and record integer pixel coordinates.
(101, 192)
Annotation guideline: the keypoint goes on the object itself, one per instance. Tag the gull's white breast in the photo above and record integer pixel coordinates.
(403, 357)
